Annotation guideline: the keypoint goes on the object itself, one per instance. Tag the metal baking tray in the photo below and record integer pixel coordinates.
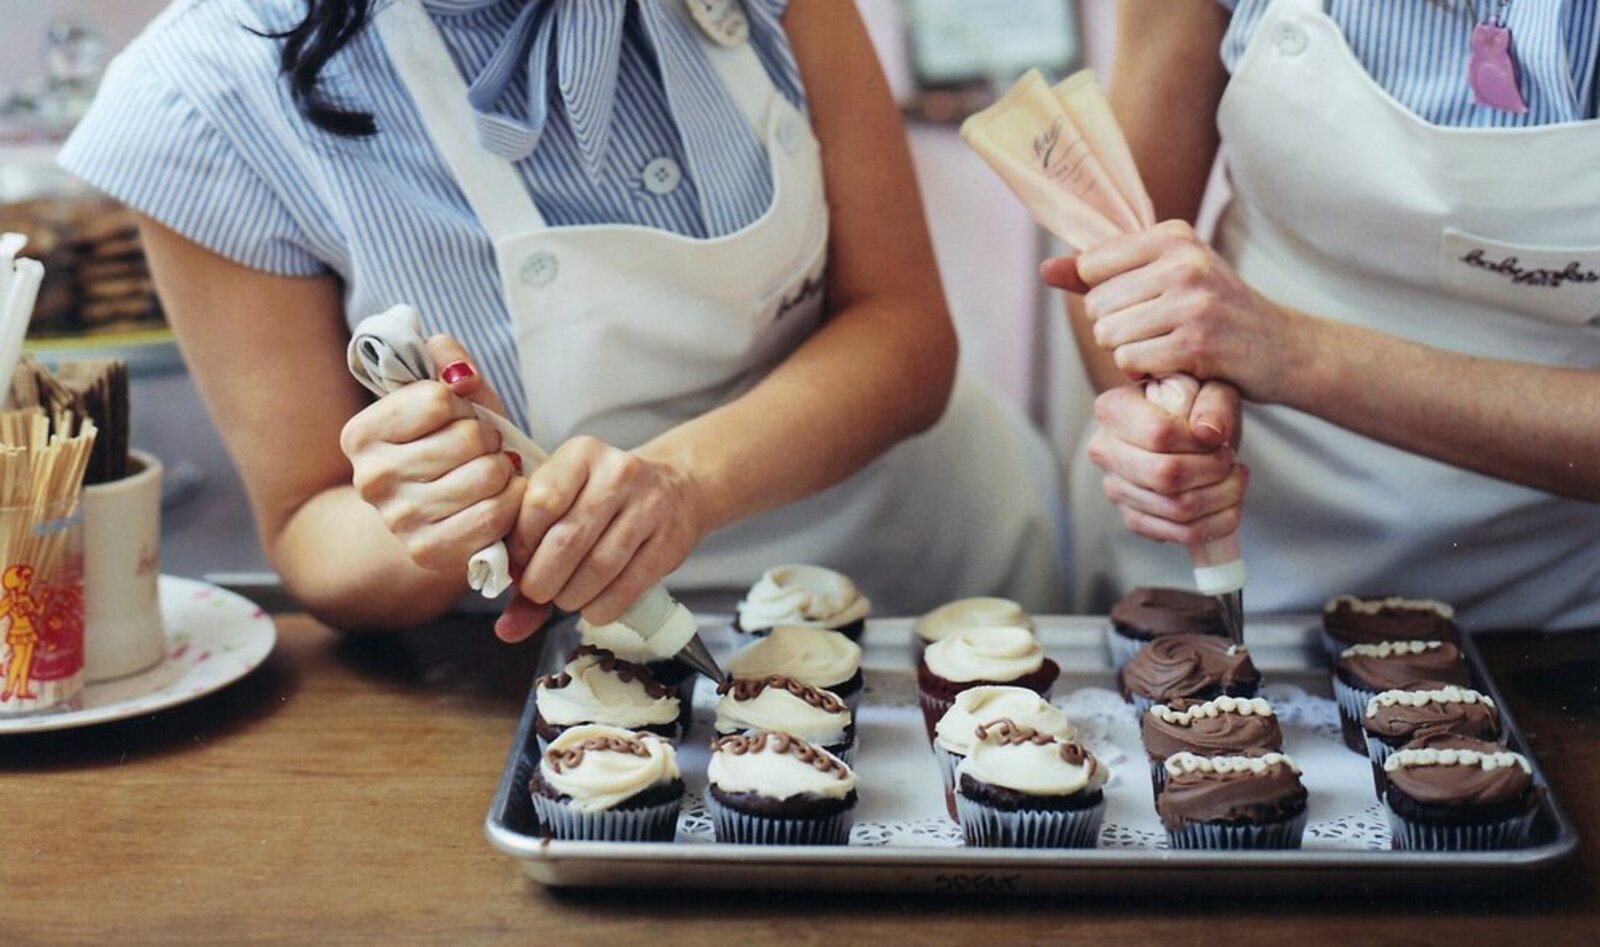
(1288, 654)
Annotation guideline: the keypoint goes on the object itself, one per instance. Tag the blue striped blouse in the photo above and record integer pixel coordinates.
(194, 127)
(1418, 51)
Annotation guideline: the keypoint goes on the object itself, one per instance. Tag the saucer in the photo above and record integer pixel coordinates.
(214, 637)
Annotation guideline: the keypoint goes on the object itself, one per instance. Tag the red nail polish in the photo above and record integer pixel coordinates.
(456, 371)
(516, 460)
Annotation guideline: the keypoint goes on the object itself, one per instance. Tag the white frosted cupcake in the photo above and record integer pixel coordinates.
(814, 656)
(770, 788)
(600, 783)
(785, 705)
(956, 731)
(630, 646)
(982, 612)
(974, 657)
(809, 596)
(595, 686)
(1019, 788)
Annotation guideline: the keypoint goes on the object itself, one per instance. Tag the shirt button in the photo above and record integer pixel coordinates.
(1290, 38)
(662, 176)
(540, 269)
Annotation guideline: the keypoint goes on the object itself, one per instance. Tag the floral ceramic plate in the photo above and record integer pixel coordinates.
(214, 637)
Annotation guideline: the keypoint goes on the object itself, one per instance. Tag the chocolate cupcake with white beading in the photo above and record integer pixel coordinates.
(814, 656)
(1352, 619)
(596, 686)
(974, 657)
(600, 783)
(785, 705)
(807, 596)
(774, 789)
(1232, 802)
(1221, 726)
(1453, 793)
(1019, 788)
(1395, 718)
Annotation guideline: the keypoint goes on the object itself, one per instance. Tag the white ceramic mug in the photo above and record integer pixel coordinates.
(122, 629)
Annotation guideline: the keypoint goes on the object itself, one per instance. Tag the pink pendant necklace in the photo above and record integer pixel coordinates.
(1491, 71)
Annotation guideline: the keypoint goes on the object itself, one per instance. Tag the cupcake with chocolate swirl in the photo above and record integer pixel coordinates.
(785, 705)
(1397, 717)
(1221, 726)
(1147, 613)
(596, 686)
(1198, 667)
(981, 612)
(956, 731)
(1232, 802)
(1352, 619)
(808, 596)
(630, 646)
(1365, 670)
(769, 788)
(1453, 793)
(1019, 788)
(824, 659)
(600, 783)
(974, 657)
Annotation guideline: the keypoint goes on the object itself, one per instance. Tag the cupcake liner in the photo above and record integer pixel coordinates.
(1352, 703)
(1123, 647)
(1141, 704)
(1158, 776)
(985, 826)
(932, 709)
(1412, 835)
(742, 828)
(947, 765)
(1332, 646)
(656, 823)
(1232, 838)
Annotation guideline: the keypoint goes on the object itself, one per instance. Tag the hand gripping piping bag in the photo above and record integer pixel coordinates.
(1062, 153)
(387, 353)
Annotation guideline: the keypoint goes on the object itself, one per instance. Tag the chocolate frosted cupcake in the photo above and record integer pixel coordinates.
(956, 731)
(598, 687)
(1222, 726)
(1199, 667)
(1365, 670)
(627, 644)
(1232, 802)
(1351, 619)
(600, 783)
(1019, 788)
(974, 657)
(1452, 793)
(1396, 717)
(785, 705)
(815, 656)
(1147, 613)
(774, 789)
(965, 613)
(809, 596)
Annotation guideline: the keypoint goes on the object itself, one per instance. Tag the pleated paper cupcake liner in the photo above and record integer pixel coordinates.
(1123, 648)
(947, 766)
(1234, 838)
(985, 826)
(742, 828)
(932, 709)
(1158, 776)
(1410, 835)
(1140, 705)
(1352, 703)
(1332, 646)
(656, 823)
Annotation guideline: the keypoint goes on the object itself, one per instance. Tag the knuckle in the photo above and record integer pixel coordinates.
(423, 551)
(1166, 475)
(627, 467)
(545, 500)
(569, 601)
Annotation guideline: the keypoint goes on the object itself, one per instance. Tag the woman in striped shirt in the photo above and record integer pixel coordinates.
(678, 241)
(1404, 288)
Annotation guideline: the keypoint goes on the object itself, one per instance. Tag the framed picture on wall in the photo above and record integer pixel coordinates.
(963, 51)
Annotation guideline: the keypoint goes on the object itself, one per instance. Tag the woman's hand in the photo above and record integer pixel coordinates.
(1173, 478)
(598, 527)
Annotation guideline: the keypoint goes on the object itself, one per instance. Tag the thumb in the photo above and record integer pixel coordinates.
(460, 374)
(1062, 273)
(1215, 418)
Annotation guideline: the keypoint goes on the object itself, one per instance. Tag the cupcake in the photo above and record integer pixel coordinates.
(1453, 793)
(1365, 670)
(821, 658)
(810, 596)
(961, 614)
(785, 705)
(1147, 613)
(628, 645)
(1019, 788)
(774, 789)
(1396, 717)
(1199, 667)
(1350, 619)
(1222, 726)
(955, 732)
(600, 783)
(596, 686)
(974, 657)
(1232, 802)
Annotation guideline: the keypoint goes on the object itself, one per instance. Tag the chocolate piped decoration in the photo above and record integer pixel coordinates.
(739, 744)
(572, 756)
(1008, 732)
(748, 688)
(627, 671)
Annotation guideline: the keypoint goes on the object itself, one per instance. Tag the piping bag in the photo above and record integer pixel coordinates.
(1061, 152)
(387, 353)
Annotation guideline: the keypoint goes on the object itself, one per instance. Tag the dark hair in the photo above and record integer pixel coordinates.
(328, 27)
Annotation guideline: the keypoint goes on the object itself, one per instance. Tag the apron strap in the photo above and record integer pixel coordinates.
(492, 186)
(746, 79)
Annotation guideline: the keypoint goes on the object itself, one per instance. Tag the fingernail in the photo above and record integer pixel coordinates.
(456, 371)
(516, 460)
(1206, 424)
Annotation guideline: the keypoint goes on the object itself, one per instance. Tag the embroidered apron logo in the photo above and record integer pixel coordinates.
(812, 286)
(1511, 268)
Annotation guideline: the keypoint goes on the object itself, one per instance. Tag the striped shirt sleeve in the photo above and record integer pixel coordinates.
(144, 143)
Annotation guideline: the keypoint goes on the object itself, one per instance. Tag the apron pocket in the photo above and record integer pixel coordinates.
(1557, 284)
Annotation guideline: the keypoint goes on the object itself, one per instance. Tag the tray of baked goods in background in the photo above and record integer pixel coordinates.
(1366, 748)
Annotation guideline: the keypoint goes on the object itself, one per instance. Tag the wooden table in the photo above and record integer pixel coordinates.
(337, 795)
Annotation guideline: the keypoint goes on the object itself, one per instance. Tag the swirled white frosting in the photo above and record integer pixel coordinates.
(604, 778)
(777, 709)
(1184, 762)
(597, 695)
(802, 595)
(617, 638)
(815, 656)
(1243, 706)
(981, 612)
(776, 775)
(1388, 649)
(1037, 769)
(985, 654)
(1432, 756)
(1372, 606)
(955, 731)
(1442, 695)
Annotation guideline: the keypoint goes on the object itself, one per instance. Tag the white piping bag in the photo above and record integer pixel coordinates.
(19, 291)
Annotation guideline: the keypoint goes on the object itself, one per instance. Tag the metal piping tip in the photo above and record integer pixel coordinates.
(1232, 606)
(698, 656)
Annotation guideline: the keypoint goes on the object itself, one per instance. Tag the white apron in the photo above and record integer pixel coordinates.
(1347, 205)
(623, 332)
